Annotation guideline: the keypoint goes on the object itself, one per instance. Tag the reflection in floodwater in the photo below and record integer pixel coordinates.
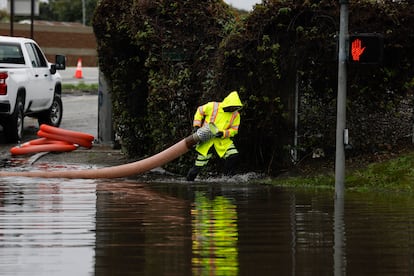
(127, 227)
(215, 236)
(140, 231)
(339, 235)
(46, 228)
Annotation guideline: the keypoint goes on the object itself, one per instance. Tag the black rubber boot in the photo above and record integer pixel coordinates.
(192, 173)
(230, 164)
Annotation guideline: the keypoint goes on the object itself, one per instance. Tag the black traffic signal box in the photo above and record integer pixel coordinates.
(365, 48)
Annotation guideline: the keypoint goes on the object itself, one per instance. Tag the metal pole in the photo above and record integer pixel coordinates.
(83, 13)
(105, 129)
(341, 102)
(11, 17)
(295, 138)
(32, 11)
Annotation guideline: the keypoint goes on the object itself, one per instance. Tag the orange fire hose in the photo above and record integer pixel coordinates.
(124, 170)
(55, 147)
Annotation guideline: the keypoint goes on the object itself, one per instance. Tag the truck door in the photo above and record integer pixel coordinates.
(40, 84)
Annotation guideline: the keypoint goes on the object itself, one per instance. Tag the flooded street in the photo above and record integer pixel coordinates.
(47, 227)
(129, 227)
(169, 226)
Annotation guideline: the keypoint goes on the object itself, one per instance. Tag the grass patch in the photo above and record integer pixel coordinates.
(80, 87)
(314, 182)
(394, 175)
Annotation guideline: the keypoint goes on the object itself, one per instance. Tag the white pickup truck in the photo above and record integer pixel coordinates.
(29, 86)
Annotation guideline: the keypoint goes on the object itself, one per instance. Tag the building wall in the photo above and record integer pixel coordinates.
(73, 40)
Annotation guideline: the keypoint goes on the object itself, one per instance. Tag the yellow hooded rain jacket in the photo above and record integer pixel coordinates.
(227, 122)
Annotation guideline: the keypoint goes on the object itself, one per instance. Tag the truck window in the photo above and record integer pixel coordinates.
(11, 53)
(36, 57)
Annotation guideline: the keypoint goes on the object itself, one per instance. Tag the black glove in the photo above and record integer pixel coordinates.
(219, 134)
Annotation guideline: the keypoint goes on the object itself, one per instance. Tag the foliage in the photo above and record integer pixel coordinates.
(67, 10)
(159, 59)
(4, 16)
(164, 58)
(394, 175)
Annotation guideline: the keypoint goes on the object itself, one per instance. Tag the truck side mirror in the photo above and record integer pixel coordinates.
(52, 69)
(60, 62)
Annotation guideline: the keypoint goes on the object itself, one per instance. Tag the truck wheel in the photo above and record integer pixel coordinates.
(13, 128)
(53, 116)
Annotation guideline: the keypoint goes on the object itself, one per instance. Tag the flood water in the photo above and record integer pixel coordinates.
(130, 227)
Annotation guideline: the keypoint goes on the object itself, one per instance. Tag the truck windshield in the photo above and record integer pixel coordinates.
(11, 53)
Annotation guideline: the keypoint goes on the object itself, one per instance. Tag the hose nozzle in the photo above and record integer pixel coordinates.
(205, 133)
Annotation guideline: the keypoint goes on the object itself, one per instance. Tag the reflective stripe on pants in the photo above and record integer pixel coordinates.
(203, 160)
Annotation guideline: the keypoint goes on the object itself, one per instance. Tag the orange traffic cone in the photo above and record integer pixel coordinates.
(78, 73)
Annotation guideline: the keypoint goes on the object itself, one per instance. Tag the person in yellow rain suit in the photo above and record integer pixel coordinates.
(226, 117)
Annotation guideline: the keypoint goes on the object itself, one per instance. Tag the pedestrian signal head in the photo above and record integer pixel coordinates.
(365, 48)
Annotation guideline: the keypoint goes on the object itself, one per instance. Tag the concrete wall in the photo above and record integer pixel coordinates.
(71, 39)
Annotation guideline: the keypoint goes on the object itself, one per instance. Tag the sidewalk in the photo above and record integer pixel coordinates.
(98, 155)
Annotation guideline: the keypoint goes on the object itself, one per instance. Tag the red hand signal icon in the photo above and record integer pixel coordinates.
(357, 49)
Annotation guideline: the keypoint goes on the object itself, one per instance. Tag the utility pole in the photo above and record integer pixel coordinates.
(341, 101)
(11, 17)
(32, 12)
(83, 13)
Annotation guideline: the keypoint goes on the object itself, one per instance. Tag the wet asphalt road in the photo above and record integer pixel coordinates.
(80, 113)
(89, 75)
